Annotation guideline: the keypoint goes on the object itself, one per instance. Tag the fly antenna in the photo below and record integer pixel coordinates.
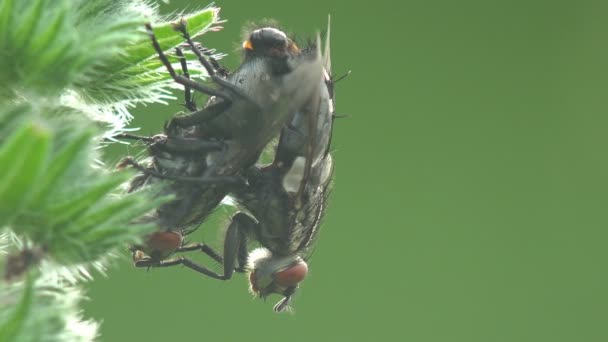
(342, 77)
(341, 116)
(326, 50)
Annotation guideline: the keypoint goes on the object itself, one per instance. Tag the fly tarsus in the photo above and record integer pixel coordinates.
(150, 263)
(134, 137)
(181, 27)
(198, 117)
(188, 102)
(185, 145)
(235, 247)
(235, 180)
(235, 243)
(203, 248)
(181, 79)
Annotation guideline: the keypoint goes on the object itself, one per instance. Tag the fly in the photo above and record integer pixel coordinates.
(205, 152)
(286, 200)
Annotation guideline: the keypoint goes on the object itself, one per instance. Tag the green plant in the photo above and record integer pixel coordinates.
(70, 71)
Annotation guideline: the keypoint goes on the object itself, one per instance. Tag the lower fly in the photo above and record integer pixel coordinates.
(286, 201)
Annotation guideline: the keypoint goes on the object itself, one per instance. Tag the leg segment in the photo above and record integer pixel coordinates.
(203, 248)
(200, 116)
(146, 262)
(235, 243)
(187, 91)
(210, 70)
(235, 247)
(180, 79)
(210, 180)
(177, 145)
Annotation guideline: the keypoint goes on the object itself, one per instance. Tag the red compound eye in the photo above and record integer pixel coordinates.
(164, 242)
(291, 276)
(253, 282)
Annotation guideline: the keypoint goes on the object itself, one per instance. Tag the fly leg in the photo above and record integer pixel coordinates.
(149, 262)
(188, 102)
(181, 27)
(130, 136)
(185, 145)
(176, 144)
(235, 250)
(190, 145)
(228, 266)
(203, 248)
(210, 180)
(181, 79)
(198, 117)
(235, 244)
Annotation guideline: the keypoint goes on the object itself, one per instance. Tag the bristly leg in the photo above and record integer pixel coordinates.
(198, 117)
(188, 102)
(210, 180)
(180, 79)
(203, 248)
(175, 144)
(341, 77)
(135, 137)
(148, 263)
(181, 27)
(235, 247)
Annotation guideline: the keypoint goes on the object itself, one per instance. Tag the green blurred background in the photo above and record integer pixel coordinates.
(470, 199)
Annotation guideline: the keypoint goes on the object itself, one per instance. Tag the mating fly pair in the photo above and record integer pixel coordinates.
(212, 152)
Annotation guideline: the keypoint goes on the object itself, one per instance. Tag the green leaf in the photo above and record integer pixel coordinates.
(55, 54)
(114, 211)
(6, 9)
(27, 24)
(59, 166)
(22, 159)
(10, 119)
(79, 204)
(10, 329)
(48, 36)
(167, 37)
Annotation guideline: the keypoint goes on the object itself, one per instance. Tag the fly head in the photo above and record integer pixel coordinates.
(272, 44)
(270, 274)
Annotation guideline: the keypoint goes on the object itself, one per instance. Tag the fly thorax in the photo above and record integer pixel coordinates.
(293, 178)
(270, 273)
(213, 158)
(275, 95)
(171, 163)
(270, 86)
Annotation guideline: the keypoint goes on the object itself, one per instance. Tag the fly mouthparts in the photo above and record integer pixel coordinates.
(282, 305)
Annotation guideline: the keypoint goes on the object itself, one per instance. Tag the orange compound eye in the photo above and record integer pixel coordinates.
(292, 47)
(247, 45)
(292, 276)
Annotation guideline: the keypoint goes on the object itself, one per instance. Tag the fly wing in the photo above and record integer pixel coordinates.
(326, 50)
(313, 111)
(321, 169)
(317, 177)
(301, 84)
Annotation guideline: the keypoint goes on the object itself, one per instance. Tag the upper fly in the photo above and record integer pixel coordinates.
(204, 153)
